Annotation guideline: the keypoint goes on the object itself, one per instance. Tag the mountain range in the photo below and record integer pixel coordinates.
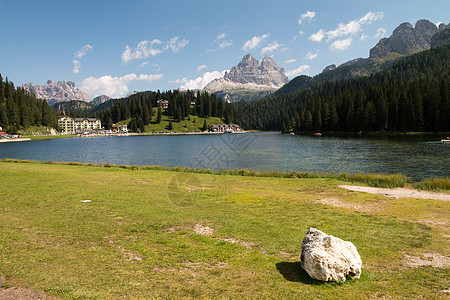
(62, 91)
(405, 40)
(57, 92)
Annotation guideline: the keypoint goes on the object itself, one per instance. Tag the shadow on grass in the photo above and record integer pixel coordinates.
(292, 271)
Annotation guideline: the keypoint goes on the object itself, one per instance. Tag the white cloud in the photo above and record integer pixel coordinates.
(307, 15)
(199, 68)
(311, 55)
(297, 71)
(143, 64)
(182, 80)
(146, 48)
(225, 44)
(371, 16)
(113, 86)
(176, 45)
(76, 66)
(271, 47)
(318, 36)
(341, 45)
(439, 23)
(82, 52)
(254, 42)
(354, 26)
(220, 40)
(289, 61)
(143, 50)
(221, 36)
(300, 33)
(380, 32)
(349, 29)
(363, 37)
(79, 54)
(200, 82)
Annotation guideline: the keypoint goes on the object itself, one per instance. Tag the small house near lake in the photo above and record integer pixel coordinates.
(119, 128)
(225, 128)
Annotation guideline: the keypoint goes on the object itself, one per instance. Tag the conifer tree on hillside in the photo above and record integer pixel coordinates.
(20, 109)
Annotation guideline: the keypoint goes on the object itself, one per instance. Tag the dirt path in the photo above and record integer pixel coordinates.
(398, 192)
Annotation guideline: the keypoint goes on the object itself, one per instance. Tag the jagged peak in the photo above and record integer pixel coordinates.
(406, 39)
(248, 56)
(249, 74)
(425, 24)
(267, 58)
(57, 92)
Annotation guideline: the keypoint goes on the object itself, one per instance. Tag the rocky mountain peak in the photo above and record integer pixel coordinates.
(100, 99)
(406, 39)
(426, 27)
(441, 38)
(267, 63)
(329, 68)
(248, 63)
(250, 75)
(57, 92)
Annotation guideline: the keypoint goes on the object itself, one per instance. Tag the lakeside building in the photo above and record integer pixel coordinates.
(225, 128)
(119, 128)
(70, 125)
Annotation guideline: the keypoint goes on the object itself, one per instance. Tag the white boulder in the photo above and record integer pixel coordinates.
(328, 258)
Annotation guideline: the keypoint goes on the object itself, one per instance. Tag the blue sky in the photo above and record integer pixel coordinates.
(115, 47)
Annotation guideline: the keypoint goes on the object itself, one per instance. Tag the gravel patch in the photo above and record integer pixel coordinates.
(398, 192)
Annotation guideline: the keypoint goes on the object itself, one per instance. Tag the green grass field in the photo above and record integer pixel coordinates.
(164, 234)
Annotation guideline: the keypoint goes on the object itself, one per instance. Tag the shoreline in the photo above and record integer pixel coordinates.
(369, 179)
(14, 140)
(64, 136)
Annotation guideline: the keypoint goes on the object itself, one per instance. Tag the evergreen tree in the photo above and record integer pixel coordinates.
(159, 116)
(205, 126)
(146, 115)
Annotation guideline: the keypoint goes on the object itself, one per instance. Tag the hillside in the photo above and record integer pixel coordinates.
(154, 111)
(405, 40)
(19, 109)
(74, 108)
(410, 95)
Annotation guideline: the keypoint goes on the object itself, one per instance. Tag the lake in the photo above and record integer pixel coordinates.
(418, 157)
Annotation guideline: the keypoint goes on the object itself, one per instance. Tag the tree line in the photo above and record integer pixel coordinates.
(139, 108)
(20, 109)
(411, 95)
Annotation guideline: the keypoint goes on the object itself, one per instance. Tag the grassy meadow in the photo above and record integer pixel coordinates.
(165, 234)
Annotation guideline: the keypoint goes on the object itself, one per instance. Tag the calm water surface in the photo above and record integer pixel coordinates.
(416, 157)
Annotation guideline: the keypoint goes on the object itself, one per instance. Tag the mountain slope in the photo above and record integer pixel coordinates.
(412, 95)
(405, 40)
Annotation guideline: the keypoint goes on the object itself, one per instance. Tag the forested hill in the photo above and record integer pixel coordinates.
(137, 109)
(20, 109)
(411, 95)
